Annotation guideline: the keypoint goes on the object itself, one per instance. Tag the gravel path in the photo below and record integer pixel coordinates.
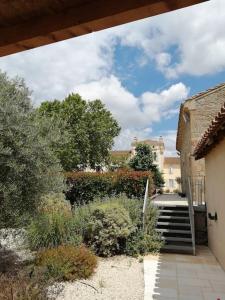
(116, 278)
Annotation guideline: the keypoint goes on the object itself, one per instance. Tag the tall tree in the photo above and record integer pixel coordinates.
(143, 161)
(28, 167)
(90, 129)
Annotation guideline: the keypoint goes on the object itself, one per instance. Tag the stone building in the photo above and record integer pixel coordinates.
(157, 147)
(171, 171)
(196, 113)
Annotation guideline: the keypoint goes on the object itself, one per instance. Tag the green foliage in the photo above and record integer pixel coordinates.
(28, 166)
(144, 239)
(115, 226)
(108, 228)
(158, 178)
(84, 187)
(54, 203)
(143, 161)
(53, 226)
(67, 262)
(89, 128)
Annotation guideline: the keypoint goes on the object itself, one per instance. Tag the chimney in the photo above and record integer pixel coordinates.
(135, 139)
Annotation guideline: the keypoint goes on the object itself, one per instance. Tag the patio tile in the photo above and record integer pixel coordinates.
(193, 282)
(181, 277)
(214, 296)
(186, 297)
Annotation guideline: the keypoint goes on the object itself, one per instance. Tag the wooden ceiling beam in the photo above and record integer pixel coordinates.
(94, 15)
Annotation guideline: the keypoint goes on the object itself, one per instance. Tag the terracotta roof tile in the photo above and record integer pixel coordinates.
(171, 160)
(214, 134)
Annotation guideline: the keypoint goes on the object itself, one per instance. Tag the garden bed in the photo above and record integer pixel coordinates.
(118, 277)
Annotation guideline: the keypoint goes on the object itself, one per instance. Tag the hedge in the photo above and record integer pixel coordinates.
(83, 187)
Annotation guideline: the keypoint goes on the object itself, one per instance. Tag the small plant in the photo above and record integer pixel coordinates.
(53, 226)
(140, 259)
(20, 288)
(67, 262)
(108, 228)
(101, 283)
(54, 203)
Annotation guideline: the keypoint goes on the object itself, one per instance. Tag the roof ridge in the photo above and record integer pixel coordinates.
(205, 92)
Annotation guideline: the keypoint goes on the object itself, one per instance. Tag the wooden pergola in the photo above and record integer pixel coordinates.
(26, 24)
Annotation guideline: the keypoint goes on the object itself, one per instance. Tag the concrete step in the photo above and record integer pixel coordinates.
(173, 224)
(177, 249)
(176, 239)
(171, 211)
(174, 218)
(174, 231)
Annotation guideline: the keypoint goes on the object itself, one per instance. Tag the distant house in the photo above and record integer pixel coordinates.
(196, 113)
(211, 147)
(169, 166)
(171, 172)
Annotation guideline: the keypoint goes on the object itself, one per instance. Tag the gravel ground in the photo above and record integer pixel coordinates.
(116, 278)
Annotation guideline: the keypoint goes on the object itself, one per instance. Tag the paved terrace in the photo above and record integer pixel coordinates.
(184, 277)
(170, 199)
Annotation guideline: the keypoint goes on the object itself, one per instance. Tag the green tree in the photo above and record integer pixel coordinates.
(143, 161)
(89, 128)
(28, 167)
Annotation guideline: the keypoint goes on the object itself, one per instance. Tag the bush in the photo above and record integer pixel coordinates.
(53, 226)
(67, 262)
(108, 228)
(84, 187)
(20, 288)
(142, 239)
(54, 203)
(115, 226)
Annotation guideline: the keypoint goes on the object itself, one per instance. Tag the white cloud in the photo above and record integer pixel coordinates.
(135, 114)
(196, 35)
(53, 71)
(86, 65)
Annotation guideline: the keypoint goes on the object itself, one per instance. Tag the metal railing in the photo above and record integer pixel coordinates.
(191, 212)
(198, 190)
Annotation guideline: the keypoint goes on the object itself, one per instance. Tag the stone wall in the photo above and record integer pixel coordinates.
(201, 110)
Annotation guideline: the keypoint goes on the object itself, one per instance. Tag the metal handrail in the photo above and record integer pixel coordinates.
(191, 214)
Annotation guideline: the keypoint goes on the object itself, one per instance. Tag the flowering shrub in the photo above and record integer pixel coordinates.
(84, 186)
(67, 262)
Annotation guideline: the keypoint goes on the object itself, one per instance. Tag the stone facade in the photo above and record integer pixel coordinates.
(196, 114)
(171, 171)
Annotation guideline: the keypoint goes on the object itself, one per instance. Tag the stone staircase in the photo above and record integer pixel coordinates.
(174, 225)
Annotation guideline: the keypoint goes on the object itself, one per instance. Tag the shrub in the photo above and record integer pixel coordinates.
(108, 228)
(140, 242)
(85, 187)
(54, 203)
(115, 226)
(67, 262)
(53, 226)
(20, 288)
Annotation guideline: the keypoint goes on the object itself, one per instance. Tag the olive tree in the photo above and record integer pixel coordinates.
(28, 167)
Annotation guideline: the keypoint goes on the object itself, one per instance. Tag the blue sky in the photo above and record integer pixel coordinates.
(142, 71)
